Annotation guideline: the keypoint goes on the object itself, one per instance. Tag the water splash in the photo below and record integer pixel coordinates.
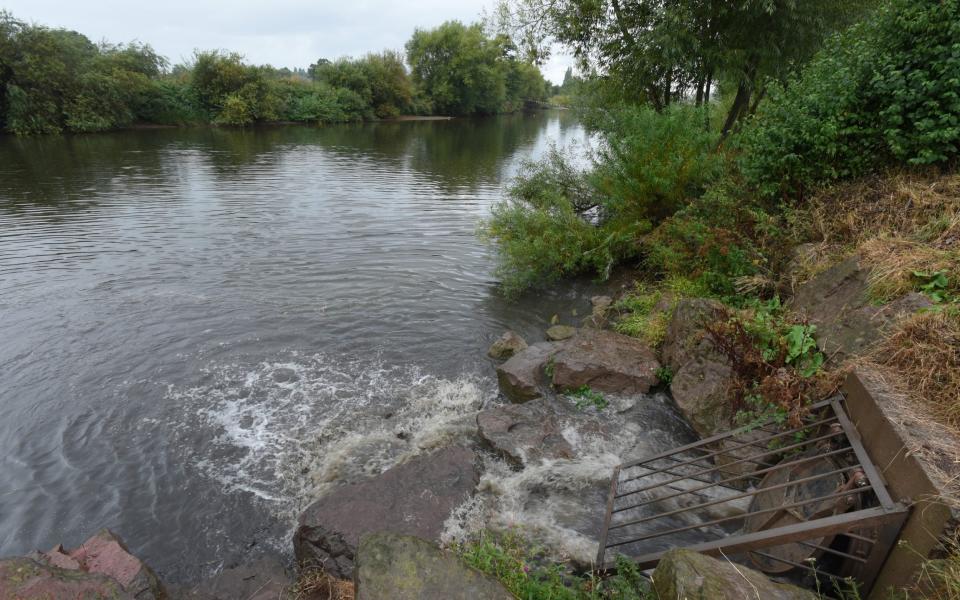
(288, 430)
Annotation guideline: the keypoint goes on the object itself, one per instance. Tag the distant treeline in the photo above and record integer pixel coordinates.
(55, 80)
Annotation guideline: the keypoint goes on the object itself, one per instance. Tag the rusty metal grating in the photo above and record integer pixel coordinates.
(792, 502)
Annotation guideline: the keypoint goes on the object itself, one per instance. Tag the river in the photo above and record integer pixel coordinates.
(205, 329)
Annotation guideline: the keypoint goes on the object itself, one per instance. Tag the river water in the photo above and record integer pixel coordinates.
(201, 330)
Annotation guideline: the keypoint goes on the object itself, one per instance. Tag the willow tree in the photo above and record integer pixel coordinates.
(658, 51)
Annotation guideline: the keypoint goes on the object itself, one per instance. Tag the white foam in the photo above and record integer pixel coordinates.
(289, 429)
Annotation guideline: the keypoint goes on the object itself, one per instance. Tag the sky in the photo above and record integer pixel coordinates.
(284, 33)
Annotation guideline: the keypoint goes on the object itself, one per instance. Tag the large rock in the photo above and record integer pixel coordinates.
(399, 567)
(558, 333)
(101, 565)
(701, 375)
(264, 579)
(525, 433)
(837, 302)
(686, 334)
(414, 498)
(28, 579)
(605, 361)
(506, 346)
(692, 576)
(520, 377)
(701, 391)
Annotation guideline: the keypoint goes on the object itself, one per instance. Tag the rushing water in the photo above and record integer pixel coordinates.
(202, 329)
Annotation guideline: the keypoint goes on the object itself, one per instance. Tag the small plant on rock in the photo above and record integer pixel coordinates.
(586, 397)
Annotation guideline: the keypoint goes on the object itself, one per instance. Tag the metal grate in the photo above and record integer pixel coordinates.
(804, 501)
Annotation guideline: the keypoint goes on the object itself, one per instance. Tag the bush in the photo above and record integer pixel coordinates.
(560, 221)
(539, 245)
(715, 241)
(886, 91)
(653, 163)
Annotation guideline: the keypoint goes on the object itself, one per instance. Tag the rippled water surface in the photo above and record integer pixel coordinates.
(199, 329)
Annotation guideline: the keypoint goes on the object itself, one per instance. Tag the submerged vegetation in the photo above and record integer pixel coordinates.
(54, 80)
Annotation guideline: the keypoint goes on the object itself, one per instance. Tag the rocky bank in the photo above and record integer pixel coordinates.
(383, 534)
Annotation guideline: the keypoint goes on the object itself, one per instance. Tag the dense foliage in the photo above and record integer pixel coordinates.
(661, 52)
(54, 80)
(463, 72)
(887, 91)
(663, 191)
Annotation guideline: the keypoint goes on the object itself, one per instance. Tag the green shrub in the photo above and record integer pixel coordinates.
(715, 240)
(542, 245)
(560, 221)
(886, 91)
(171, 102)
(653, 163)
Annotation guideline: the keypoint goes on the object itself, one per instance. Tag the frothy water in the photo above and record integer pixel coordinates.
(288, 431)
(560, 503)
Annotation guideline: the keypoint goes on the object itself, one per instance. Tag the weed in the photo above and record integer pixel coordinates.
(775, 362)
(550, 368)
(586, 397)
(665, 374)
(935, 285)
(525, 571)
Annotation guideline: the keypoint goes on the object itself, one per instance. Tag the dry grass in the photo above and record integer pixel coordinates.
(315, 584)
(893, 261)
(924, 352)
(924, 207)
(940, 579)
(899, 222)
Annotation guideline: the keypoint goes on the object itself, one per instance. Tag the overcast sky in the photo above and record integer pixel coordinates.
(290, 33)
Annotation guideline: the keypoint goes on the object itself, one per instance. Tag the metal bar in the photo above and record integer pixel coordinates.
(722, 451)
(668, 472)
(716, 438)
(606, 520)
(797, 565)
(862, 538)
(835, 552)
(889, 532)
(786, 534)
(778, 450)
(705, 458)
(876, 479)
(731, 518)
(753, 474)
(739, 496)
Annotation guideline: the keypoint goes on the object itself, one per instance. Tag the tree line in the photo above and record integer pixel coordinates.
(55, 80)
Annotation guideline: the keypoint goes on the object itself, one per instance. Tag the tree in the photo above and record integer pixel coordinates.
(381, 79)
(657, 52)
(461, 71)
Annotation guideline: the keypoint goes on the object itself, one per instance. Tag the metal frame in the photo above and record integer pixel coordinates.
(649, 495)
